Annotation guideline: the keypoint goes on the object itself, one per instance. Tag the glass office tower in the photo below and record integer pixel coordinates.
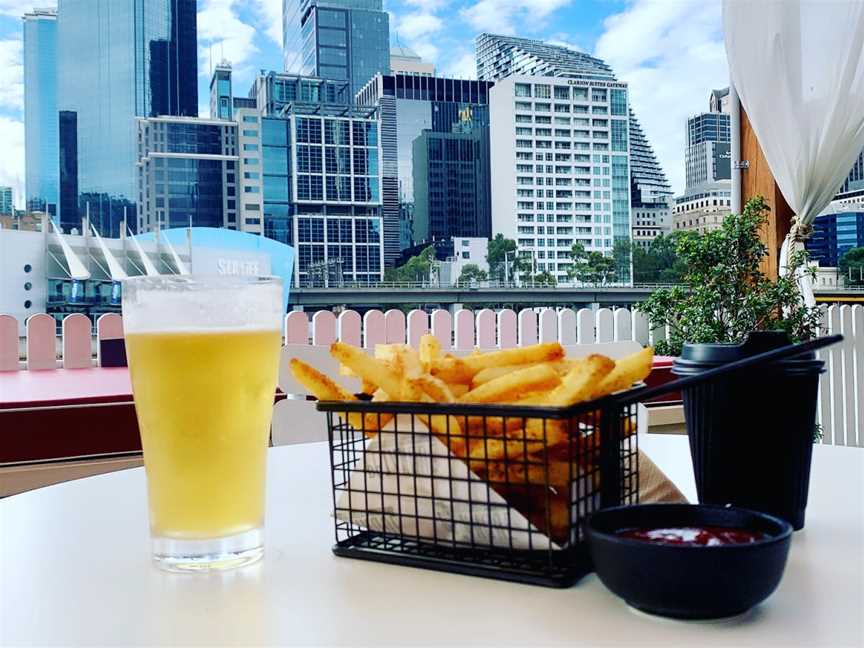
(344, 40)
(187, 171)
(408, 106)
(40, 110)
(118, 60)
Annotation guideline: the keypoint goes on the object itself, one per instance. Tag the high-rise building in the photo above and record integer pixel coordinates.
(501, 56)
(451, 191)
(406, 61)
(6, 204)
(703, 209)
(309, 175)
(221, 92)
(855, 180)
(835, 232)
(187, 173)
(648, 224)
(408, 105)
(560, 166)
(117, 60)
(40, 111)
(707, 158)
(343, 40)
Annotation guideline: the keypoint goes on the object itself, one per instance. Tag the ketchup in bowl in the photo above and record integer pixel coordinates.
(702, 536)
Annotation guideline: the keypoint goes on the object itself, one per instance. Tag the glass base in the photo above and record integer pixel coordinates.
(214, 554)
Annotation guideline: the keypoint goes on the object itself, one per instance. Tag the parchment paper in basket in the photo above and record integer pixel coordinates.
(439, 498)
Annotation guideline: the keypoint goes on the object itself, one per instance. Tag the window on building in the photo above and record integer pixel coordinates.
(522, 90)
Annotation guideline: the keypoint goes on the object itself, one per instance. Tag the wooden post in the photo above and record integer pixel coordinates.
(757, 180)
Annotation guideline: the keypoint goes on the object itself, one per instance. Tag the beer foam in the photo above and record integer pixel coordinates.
(201, 303)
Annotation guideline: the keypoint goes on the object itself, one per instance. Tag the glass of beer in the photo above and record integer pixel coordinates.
(203, 356)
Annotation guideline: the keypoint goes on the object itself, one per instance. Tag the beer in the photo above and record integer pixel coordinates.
(203, 358)
(204, 401)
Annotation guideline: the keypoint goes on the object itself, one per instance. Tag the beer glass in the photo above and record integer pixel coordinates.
(203, 356)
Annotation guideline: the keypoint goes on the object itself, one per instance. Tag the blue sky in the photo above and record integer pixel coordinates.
(670, 52)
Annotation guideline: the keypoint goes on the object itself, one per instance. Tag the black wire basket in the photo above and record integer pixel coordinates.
(499, 491)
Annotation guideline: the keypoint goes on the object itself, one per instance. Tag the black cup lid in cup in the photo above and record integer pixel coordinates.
(696, 358)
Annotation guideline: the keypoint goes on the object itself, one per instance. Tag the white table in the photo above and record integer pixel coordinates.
(74, 570)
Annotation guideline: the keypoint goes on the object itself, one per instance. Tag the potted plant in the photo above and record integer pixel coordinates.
(751, 435)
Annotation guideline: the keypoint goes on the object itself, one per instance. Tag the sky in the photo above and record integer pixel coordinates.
(670, 52)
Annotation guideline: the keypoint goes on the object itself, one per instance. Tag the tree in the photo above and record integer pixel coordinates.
(725, 296)
(471, 272)
(416, 269)
(496, 255)
(545, 278)
(590, 267)
(852, 267)
(659, 262)
(622, 256)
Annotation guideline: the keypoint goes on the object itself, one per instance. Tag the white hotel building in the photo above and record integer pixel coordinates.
(560, 166)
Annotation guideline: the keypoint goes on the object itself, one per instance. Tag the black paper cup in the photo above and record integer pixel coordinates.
(751, 434)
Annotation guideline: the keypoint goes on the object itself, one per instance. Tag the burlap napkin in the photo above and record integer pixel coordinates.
(654, 485)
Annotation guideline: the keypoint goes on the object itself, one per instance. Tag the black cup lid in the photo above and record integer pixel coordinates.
(757, 342)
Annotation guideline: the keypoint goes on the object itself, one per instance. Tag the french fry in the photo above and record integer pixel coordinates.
(628, 370)
(452, 370)
(371, 369)
(433, 387)
(518, 355)
(430, 349)
(320, 385)
(324, 388)
(489, 449)
(512, 386)
(490, 373)
(535, 471)
(580, 382)
(459, 389)
(407, 361)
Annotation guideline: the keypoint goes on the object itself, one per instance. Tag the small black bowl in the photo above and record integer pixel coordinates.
(688, 582)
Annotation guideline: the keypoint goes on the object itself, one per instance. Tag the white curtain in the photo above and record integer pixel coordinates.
(798, 67)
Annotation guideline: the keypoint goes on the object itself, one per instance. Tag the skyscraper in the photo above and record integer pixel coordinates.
(6, 205)
(451, 186)
(707, 158)
(502, 56)
(343, 40)
(40, 110)
(560, 167)
(855, 180)
(118, 60)
(187, 173)
(408, 105)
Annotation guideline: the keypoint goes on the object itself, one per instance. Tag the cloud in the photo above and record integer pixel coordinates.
(428, 5)
(11, 74)
(270, 18)
(671, 54)
(220, 28)
(416, 25)
(502, 16)
(12, 156)
(18, 8)
(462, 66)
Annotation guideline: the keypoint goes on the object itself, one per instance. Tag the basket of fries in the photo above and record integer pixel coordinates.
(487, 464)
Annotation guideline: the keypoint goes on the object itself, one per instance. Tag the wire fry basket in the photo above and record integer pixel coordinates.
(499, 491)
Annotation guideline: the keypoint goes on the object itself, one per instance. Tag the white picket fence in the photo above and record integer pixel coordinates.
(841, 393)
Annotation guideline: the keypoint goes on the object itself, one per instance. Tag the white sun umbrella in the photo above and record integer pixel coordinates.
(798, 67)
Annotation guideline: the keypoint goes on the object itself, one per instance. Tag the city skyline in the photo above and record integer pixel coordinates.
(680, 47)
